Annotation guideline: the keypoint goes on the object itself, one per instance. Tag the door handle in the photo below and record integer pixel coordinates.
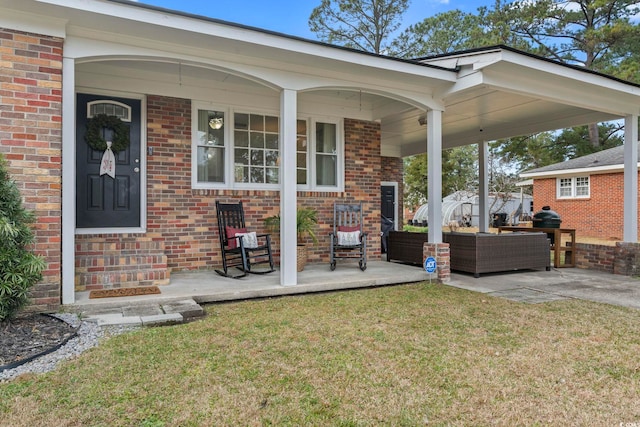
(136, 170)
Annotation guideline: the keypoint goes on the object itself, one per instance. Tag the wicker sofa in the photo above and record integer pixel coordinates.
(489, 253)
(406, 247)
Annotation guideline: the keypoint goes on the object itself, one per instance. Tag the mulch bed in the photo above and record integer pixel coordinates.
(29, 336)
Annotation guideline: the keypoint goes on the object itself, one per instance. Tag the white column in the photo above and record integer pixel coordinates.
(68, 180)
(631, 179)
(483, 187)
(288, 195)
(434, 174)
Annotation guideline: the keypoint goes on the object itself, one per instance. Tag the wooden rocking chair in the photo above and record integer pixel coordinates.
(347, 238)
(241, 249)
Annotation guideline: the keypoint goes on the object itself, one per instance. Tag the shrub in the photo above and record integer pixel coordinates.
(19, 268)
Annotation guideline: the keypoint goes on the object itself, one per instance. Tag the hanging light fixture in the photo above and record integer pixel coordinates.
(216, 122)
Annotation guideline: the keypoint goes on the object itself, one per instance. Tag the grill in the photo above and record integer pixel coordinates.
(546, 218)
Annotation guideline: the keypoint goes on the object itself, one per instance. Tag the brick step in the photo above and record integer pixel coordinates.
(121, 263)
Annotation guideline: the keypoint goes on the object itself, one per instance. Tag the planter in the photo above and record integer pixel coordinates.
(302, 257)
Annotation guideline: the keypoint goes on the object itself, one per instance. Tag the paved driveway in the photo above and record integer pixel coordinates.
(561, 283)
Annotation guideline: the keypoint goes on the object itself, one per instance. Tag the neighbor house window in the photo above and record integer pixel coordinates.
(236, 149)
(574, 187)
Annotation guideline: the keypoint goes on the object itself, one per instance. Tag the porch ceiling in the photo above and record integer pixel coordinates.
(484, 114)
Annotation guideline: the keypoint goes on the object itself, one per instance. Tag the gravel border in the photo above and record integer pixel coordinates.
(88, 335)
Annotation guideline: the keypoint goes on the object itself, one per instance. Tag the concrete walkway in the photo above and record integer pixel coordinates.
(561, 283)
(180, 300)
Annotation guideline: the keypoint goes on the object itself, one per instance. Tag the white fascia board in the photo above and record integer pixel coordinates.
(476, 60)
(574, 172)
(256, 37)
(562, 89)
(583, 83)
(29, 23)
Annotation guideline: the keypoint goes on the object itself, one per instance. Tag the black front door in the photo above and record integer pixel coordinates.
(388, 212)
(103, 201)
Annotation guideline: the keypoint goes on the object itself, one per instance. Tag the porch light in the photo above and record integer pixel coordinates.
(422, 120)
(216, 122)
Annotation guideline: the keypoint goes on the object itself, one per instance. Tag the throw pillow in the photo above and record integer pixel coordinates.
(348, 238)
(348, 228)
(231, 233)
(249, 240)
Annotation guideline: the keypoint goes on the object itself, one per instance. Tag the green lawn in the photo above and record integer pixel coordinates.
(404, 355)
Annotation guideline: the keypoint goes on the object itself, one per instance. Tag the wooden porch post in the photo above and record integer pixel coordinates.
(483, 188)
(68, 180)
(288, 182)
(631, 178)
(434, 174)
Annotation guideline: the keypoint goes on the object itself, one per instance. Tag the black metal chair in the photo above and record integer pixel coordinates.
(241, 249)
(348, 241)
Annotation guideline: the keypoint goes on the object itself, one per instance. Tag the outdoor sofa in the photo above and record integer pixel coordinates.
(479, 253)
(406, 247)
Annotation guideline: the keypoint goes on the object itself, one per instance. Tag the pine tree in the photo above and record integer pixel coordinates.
(19, 268)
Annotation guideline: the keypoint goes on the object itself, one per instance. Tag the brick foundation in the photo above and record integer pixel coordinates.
(440, 251)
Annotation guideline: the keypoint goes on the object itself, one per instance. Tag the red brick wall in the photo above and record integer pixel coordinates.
(600, 215)
(185, 218)
(31, 141)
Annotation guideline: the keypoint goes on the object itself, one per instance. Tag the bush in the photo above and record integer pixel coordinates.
(19, 268)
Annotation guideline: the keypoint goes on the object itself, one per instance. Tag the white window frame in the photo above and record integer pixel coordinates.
(311, 155)
(574, 181)
(229, 147)
(195, 106)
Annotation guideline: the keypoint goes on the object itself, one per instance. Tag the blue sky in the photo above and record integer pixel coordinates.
(291, 16)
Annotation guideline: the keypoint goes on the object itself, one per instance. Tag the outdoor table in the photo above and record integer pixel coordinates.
(556, 246)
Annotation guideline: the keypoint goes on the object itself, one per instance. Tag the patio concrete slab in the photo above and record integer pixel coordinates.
(187, 290)
(528, 296)
(577, 283)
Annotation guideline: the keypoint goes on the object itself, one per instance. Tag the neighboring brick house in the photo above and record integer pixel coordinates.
(219, 111)
(587, 192)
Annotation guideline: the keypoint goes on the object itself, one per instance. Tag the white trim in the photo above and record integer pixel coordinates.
(575, 172)
(573, 195)
(288, 192)
(111, 230)
(68, 210)
(393, 184)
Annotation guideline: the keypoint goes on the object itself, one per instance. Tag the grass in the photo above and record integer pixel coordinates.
(404, 355)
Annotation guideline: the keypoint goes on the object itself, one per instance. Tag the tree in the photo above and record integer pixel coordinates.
(455, 31)
(358, 24)
(19, 268)
(459, 173)
(590, 33)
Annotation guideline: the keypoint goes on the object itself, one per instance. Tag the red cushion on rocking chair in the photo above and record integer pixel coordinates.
(231, 234)
(348, 229)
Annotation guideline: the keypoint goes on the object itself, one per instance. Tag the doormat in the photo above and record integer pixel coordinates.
(124, 292)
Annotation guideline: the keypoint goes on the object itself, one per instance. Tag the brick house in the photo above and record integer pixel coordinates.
(293, 123)
(587, 192)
